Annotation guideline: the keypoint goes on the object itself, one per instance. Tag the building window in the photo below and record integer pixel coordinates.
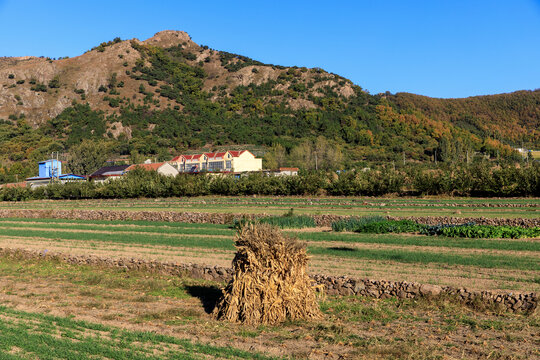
(215, 166)
(228, 164)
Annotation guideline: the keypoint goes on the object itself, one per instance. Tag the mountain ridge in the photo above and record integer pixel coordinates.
(167, 94)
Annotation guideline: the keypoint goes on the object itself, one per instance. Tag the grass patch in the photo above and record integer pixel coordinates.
(33, 335)
(160, 229)
(422, 257)
(140, 239)
(90, 278)
(422, 240)
(123, 222)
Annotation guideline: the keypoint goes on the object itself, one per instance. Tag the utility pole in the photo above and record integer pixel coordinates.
(316, 162)
(467, 157)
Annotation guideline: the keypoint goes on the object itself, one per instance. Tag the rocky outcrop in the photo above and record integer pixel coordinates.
(332, 285)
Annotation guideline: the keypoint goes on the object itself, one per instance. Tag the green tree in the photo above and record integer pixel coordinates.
(87, 157)
(135, 157)
(275, 157)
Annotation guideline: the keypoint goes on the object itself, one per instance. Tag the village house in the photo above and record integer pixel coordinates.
(162, 168)
(283, 171)
(228, 161)
(107, 173)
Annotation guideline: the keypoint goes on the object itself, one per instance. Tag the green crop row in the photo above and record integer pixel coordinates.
(139, 239)
(376, 225)
(286, 221)
(379, 225)
(353, 223)
(146, 223)
(425, 241)
(484, 231)
(162, 229)
(489, 261)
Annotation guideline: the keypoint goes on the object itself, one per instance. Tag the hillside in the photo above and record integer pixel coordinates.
(42, 88)
(168, 94)
(514, 117)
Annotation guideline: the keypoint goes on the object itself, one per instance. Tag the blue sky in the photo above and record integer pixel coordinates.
(438, 48)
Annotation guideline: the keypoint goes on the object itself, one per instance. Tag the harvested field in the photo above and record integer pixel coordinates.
(83, 312)
(494, 264)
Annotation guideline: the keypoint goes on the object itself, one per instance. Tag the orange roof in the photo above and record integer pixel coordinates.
(214, 155)
(14, 185)
(288, 169)
(238, 153)
(148, 167)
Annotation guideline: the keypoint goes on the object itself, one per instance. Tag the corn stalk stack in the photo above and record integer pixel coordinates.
(270, 283)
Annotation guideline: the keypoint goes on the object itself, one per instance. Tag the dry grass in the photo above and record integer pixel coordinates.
(270, 284)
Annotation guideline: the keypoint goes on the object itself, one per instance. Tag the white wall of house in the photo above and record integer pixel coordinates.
(246, 162)
(106, 179)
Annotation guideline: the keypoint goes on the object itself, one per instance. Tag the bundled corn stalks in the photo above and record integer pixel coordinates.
(270, 284)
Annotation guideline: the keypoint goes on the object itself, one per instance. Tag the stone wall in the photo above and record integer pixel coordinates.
(219, 218)
(333, 285)
(169, 216)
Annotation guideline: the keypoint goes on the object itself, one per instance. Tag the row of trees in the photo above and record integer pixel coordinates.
(480, 180)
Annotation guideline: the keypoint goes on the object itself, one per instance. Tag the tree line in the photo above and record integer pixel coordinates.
(481, 180)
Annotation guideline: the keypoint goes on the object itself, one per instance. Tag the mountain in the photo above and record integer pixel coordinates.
(168, 94)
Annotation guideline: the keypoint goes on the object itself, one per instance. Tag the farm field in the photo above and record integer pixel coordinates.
(55, 310)
(458, 207)
(490, 264)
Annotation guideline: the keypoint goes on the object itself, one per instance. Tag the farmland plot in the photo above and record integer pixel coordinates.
(480, 264)
(55, 310)
(460, 207)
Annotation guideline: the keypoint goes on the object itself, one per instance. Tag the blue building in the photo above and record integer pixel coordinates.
(50, 168)
(49, 171)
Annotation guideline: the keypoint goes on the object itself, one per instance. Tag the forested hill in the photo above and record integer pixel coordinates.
(168, 94)
(514, 117)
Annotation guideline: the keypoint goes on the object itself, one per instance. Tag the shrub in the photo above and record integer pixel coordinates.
(54, 83)
(39, 88)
